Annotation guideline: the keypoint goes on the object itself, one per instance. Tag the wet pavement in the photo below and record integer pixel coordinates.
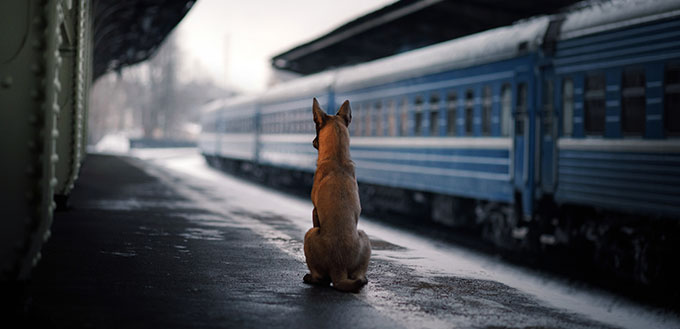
(160, 240)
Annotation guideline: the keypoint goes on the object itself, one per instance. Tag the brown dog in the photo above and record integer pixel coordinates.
(335, 250)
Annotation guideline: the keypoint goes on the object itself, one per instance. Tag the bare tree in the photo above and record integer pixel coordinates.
(148, 100)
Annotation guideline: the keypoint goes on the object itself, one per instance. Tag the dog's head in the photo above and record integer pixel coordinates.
(322, 120)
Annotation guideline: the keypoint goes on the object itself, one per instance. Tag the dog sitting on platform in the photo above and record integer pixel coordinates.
(335, 250)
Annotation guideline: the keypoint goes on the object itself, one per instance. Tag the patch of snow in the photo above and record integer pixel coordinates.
(603, 16)
(116, 143)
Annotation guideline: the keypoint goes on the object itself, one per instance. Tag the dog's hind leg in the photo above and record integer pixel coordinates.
(316, 274)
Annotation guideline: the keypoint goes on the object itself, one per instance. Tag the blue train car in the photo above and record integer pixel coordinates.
(452, 119)
(286, 126)
(207, 140)
(616, 90)
(497, 116)
(237, 122)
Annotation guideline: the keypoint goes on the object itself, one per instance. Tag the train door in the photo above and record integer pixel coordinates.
(546, 136)
(523, 147)
(519, 140)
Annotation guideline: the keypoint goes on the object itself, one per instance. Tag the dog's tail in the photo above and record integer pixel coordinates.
(348, 285)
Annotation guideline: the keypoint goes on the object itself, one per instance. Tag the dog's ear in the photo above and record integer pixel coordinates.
(345, 112)
(319, 114)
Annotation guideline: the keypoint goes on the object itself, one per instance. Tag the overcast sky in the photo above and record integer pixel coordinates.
(244, 35)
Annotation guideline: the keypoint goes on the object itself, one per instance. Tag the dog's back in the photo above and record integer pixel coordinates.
(335, 250)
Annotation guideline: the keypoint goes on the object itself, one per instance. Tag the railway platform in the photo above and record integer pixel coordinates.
(163, 241)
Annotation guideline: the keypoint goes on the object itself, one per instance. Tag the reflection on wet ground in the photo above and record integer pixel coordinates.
(202, 234)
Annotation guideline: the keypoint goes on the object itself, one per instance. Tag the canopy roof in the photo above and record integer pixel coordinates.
(130, 31)
(407, 25)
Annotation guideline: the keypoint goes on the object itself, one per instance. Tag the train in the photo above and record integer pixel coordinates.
(558, 132)
(50, 54)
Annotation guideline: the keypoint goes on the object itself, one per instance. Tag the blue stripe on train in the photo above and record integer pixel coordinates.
(490, 181)
(459, 186)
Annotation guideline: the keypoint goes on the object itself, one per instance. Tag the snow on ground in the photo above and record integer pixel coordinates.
(117, 143)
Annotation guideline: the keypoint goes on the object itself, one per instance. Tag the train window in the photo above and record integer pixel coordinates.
(404, 116)
(506, 109)
(392, 118)
(367, 119)
(451, 113)
(469, 112)
(377, 109)
(594, 104)
(418, 116)
(288, 122)
(567, 107)
(278, 122)
(281, 119)
(486, 111)
(633, 101)
(300, 121)
(358, 120)
(434, 115)
(522, 98)
(672, 100)
(265, 124)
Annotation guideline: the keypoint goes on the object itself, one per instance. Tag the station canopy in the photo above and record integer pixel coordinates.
(407, 25)
(130, 31)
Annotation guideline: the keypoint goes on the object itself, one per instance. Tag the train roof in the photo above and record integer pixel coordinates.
(241, 100)
(127, 32)
(492, 45)
(602, 16)
(212, 106)
(314, 84)
(230, 102)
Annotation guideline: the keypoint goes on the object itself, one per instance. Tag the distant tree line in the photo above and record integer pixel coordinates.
(149, 100)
